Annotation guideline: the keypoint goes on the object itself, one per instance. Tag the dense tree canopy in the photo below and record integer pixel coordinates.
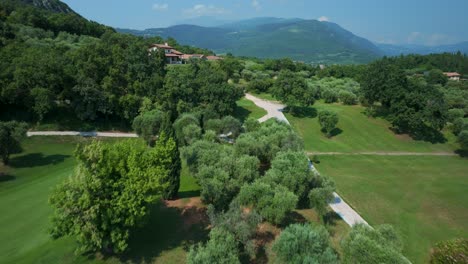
(367, 245)
(450, 252)
(299, 244)
(293, 90)
(126, 176)
(221, 248)
(328, 121)
(11, 135)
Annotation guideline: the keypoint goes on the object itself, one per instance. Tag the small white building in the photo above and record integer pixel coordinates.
(176, 57)
(453, 76)
(172, 56)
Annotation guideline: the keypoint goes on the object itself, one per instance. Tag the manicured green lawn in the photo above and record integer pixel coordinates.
(24, 193)
(358, 133)
(246, 108)
(425, 198)
(265, 96)
(24, 221)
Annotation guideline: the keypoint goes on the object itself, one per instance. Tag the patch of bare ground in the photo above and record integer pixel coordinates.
(192, 212)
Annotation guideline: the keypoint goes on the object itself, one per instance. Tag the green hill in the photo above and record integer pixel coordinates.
(50, 5)
(301, 40)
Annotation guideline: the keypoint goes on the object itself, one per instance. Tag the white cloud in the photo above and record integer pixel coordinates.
(160, 7)
(204, 10)
(256, 4)
(323, 18)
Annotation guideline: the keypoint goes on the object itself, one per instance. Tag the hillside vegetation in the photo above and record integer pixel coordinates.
(310, 41)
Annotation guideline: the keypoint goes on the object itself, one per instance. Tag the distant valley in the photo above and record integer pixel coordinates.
(310, 41)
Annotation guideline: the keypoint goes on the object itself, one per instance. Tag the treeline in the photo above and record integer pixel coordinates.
(411, 91)
(86, 71)
(16, 12)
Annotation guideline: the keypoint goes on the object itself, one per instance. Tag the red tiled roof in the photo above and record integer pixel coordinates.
(171, 55)
(162, 46)
(176, 52)
(452, 74)
(213, 58)
(189, 56)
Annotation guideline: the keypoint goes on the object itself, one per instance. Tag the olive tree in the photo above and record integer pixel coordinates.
(11, 134)
(367, 245)
(148, 124)
(300, 243)
(273, 202)
(126, 177)
(328, 121)
(221, 248)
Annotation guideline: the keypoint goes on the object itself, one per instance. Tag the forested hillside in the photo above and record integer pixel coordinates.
(309, 41)
(59, 66)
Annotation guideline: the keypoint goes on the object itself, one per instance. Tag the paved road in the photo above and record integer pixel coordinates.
(274, 110)
(348, 214)
(83, 134)
(384, 153)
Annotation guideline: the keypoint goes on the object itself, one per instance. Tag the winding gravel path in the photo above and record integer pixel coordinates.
(384, 153)
(275, 110)
(83, 134)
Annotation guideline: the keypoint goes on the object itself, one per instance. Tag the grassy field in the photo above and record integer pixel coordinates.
(356, 132)
(246, 108)
(24, 191)
(423, 197)
(171, 229)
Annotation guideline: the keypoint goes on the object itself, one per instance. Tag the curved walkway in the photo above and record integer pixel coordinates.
(275, 110)
(83, 134)
(384, 153)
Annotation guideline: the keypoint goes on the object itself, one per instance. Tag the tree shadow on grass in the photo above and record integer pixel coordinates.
(330, 218)
(167, 228)
(335, 132)
(462, 153)
(241, 113)
(430, 135)
(293, 217)
(425, 133)
(36, 159)
(6, 177)
(188, 194)
(302, 112)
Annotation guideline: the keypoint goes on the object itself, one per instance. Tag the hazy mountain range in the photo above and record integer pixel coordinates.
(299, 39)
(270, 37)
(51, 5)
(395, 50)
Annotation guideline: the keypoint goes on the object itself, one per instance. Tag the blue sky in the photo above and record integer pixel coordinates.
(429, 22)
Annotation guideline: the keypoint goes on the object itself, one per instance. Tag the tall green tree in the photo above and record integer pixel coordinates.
(221, 248)
(293, 90)
(366, 245)
(273, 202)
(463, 140)
(148, 125)
(110, 193)
(328, 121)
(11, 135)
(381, 81)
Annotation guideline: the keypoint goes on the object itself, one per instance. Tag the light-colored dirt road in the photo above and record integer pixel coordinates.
(275, 110)
(83, 134)
(385, 153)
